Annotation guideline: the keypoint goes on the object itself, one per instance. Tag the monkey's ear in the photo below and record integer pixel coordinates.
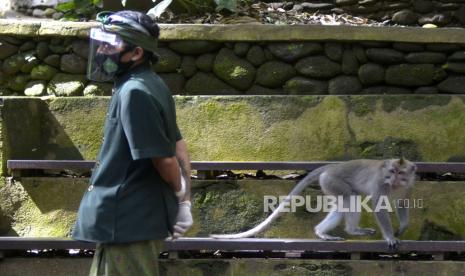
(401, 161)
(414, 168)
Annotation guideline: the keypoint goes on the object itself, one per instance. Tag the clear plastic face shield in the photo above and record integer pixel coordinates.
(105, 50)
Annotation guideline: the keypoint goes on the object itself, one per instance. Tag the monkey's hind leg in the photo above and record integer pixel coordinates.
(352, 220)
(327, 224)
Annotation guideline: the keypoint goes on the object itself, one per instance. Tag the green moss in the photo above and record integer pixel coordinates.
(43, 72)
(431, 219)
(388, 148)
(68, 135)
(231, 207)
(255, 128)
(42, 206)
(219, 203)
(361, 105)
(294, 46)
(47, 207)
(312, 128)
(290, 107)
(238, 71)
(232, 68)
(432, 232)
(413, 103)
(207, 268)
(234, 129)
(420, 102)
(436, 130)
(391, 103)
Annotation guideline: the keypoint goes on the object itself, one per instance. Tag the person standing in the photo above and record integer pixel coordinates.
(139, 191)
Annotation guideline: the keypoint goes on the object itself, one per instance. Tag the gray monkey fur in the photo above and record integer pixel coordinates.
(376, 178)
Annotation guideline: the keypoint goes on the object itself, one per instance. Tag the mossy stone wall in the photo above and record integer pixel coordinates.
(47, 206)
(259, 128)
(255, 128)
(49, 58)
(39, 66)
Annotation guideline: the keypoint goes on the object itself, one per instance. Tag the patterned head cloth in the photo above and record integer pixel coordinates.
(129, 30)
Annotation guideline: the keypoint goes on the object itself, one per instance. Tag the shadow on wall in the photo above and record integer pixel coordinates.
(5, 225)
(31, 131)
(56, 143)
(54, 195)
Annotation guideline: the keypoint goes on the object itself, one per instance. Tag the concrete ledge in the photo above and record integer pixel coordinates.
(233, 267)
(44, 28)
(249, 32)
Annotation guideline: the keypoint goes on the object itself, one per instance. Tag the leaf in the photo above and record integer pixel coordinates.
(230, 5)
(64, 7)
(160, 8)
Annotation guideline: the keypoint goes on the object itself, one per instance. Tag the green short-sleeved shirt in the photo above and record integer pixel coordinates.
(127, 200)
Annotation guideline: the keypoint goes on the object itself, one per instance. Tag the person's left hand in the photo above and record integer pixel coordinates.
(184, 219)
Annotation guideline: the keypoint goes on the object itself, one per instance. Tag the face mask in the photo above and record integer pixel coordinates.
(104, 62)
(107, 66)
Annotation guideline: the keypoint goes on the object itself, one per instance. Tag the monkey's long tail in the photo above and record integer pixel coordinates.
(310, 178)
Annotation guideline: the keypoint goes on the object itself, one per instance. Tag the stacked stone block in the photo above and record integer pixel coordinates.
(57, 66)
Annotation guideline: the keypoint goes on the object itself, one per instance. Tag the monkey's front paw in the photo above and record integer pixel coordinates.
(393, 243)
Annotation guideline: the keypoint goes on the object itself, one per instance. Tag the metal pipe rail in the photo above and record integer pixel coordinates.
(248, 244)
(423, 167)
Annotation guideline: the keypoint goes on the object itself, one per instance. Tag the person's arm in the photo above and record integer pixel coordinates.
(184, 219)
(182, 156)
(168, 168)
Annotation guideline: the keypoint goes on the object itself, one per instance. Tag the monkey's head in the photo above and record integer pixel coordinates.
(399, 173)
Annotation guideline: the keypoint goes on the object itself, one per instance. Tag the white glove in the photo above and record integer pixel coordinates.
(180, 195)
(184, 219)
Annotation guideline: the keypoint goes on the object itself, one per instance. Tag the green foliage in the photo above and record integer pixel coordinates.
(202, 6)
(76, 9)
(230, 5)
(192, 6)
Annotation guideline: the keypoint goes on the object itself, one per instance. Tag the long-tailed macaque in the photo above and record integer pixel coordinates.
(376, 178)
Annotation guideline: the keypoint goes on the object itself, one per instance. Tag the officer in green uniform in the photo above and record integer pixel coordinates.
(139, 192)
